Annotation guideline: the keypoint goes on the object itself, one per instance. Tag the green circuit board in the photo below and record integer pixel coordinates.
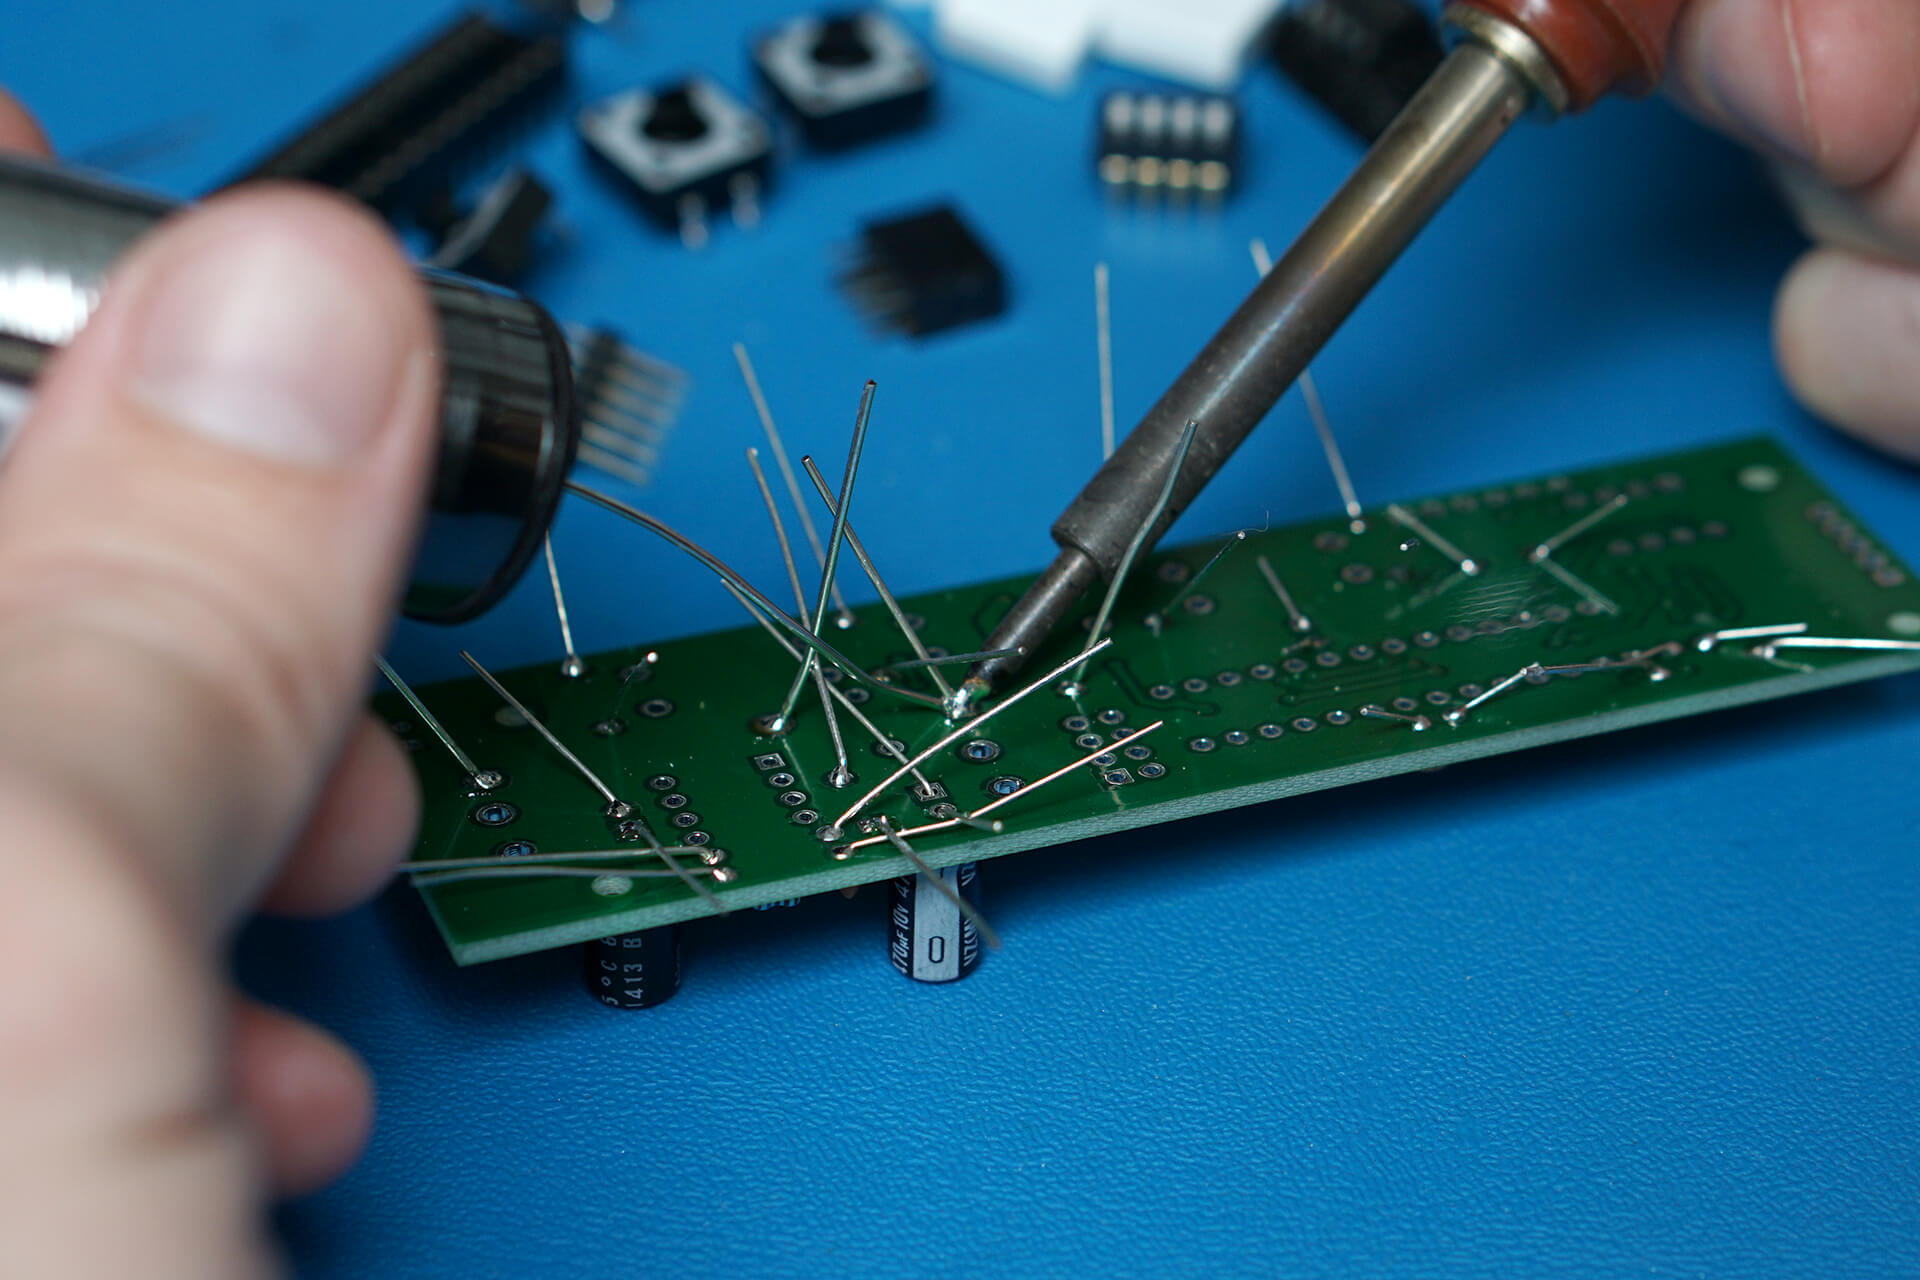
(1255, 707)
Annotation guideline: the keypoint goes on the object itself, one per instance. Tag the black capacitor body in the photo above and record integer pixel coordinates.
(928, 939)
(509, 425)
(634, 970)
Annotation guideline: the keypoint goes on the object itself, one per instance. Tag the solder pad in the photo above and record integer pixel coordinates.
(1710, 539)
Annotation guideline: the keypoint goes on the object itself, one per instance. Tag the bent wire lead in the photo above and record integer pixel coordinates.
(1139, 540)
(970, 727)
(1415, 525)
(887, 599)
(728, 575)
(881, 741)
(855, 448)
(616, 807)
(844, 615)
(842, 775)
(978, 816)
(987, 932)
(1103, 339)
(1158, 618)
(570, 666)
(482, 779)
(1317, 413)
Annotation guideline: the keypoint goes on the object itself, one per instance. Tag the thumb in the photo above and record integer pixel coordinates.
(202, 528)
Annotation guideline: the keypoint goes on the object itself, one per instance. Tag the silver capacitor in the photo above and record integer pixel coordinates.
(509, 425)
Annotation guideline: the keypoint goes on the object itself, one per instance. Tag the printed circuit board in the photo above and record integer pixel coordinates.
(1306, 657)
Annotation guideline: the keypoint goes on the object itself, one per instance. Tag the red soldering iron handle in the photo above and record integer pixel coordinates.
(1597, 46)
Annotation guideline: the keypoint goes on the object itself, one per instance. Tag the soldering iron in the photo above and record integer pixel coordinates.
(1551, 56)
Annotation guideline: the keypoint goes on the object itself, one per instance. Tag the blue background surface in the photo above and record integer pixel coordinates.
(1642, 1004)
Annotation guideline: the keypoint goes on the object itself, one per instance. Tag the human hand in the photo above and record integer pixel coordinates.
(1830, 91)
(203, 526)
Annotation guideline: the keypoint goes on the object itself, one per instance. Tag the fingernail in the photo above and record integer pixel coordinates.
(263, 343)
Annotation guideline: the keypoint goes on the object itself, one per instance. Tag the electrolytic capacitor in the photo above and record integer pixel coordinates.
(928, 939)
(509, 426)
(634, 970)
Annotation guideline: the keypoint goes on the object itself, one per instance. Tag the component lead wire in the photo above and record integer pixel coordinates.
(947, 891)
(1579, 584)
(841, 775)
(728, 575)
(974, 819)
(885, 742)
(1409, 521)
(834, 541)
(1103, 333)
(575, 873)
(419, 865)
(1159, 617)
(1840, 642)
(1317, 412)
(951, 659)
(1139, 540)
(1459, 713)
(616, 807)
(571, 666)
(1577, 528)
(1298, 620)
(887, 599)
(485, 779)
(1707, 643)
(1374, 711)
(779, 448)
(948, 739)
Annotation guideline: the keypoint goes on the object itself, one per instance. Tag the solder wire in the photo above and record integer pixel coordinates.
(855, 448)
(779, 448)
(1139, 540)
(842, 774)
(872, 571)
(951, 894)
(728, 575)
(972, 726)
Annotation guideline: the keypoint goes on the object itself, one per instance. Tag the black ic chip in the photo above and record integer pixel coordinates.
(925, 272)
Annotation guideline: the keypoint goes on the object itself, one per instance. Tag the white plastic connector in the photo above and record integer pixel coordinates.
(1197, 42)
(1037, 42)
